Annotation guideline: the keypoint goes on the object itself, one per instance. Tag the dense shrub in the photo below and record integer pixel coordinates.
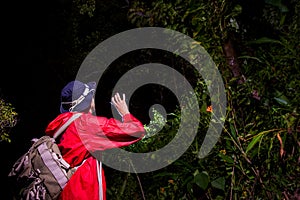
(256, 49)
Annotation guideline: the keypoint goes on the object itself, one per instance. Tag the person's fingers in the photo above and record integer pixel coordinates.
(120, 103)
(117, 96)
(116, 99)
(113, 100)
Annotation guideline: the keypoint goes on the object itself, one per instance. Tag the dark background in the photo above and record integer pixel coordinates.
(26, 81)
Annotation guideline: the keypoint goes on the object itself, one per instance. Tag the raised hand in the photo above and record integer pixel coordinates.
(120, 104)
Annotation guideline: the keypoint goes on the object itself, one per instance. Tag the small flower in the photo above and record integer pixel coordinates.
(223, 151)
(171, 181)
(162, 189)
(209, 109)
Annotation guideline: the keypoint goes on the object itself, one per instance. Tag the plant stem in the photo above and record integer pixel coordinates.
(138, 178)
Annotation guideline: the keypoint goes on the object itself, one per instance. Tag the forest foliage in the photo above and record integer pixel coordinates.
(257, 53)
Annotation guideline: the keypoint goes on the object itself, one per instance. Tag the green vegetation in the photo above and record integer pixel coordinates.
(8, 119)
(257, 156)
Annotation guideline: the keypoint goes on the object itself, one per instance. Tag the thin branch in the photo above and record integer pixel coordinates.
(232, 179)
(138, 178)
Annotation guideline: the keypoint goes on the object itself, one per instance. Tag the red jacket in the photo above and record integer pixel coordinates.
(87, 134)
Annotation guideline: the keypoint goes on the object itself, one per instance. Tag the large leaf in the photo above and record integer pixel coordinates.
(202, 180)
(219, 183)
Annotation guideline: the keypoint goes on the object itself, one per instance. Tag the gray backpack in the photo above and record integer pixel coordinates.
(41, 173)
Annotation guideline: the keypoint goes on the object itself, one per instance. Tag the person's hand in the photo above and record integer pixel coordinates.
(120, 104)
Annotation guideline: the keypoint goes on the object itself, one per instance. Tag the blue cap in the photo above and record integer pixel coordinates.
(77, 96)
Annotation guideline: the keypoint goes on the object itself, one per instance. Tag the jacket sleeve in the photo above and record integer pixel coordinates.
(113, 133)
(129, 129)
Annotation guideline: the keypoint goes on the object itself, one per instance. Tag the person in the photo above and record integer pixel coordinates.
(90, 133)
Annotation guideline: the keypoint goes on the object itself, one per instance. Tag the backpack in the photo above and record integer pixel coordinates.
(41, 173)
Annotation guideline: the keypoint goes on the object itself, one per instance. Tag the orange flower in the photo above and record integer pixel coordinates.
(209, 109)
(171, 181)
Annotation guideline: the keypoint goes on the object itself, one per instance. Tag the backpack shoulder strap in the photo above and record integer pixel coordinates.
(63, 127)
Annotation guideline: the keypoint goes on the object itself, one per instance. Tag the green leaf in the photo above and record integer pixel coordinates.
(226, 158)
(253, 142)
(232, 131)
(281, 101)
(264, 40)
(202, 180)
(219, 183)
(281, 98)
(250, 57)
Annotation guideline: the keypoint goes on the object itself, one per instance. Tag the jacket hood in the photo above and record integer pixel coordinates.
(54, 125)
